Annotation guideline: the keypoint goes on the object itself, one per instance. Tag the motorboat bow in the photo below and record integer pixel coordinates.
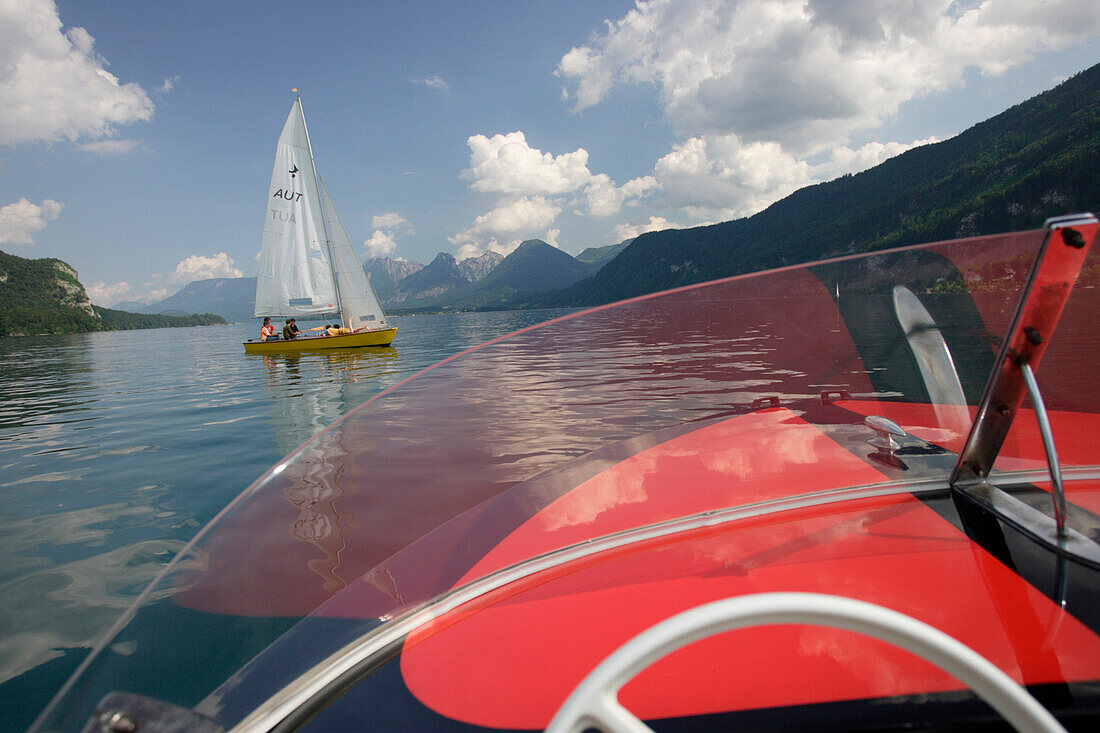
(858, 494)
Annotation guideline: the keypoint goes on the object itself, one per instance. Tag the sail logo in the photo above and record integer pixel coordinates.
(293, 171)
(288, 195)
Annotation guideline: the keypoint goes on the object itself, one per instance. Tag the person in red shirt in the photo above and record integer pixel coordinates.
(267, 330)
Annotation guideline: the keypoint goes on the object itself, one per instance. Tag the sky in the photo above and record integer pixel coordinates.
(137, 137)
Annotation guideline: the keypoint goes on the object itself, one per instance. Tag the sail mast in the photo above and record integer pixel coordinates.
(324, 218)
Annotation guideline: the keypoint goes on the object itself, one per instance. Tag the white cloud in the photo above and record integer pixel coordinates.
(506, 164)
(604, 198)
(53, 84)
(807, 73)
(513, 220)
(476, 249)
(107, 294)
(845, 160)
(111, 147)
(531, 187)
(516, 217)
(20, 221)
(198, 267)
(381, 244)
(630, 230)
(756, 89)
(434, 82)
(721, 176)
(153, 294)
(387, 221)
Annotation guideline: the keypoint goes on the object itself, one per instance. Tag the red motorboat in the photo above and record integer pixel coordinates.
(855, 494)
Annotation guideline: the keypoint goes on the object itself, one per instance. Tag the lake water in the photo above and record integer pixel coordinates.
(115, 449)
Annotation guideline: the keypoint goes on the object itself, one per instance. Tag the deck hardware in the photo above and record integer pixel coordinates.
(884, 441)
(125, 712)
(885, 430)
(829, 396)
(1048, 445)
(120, 723)
(1073, 238)
(763, 402)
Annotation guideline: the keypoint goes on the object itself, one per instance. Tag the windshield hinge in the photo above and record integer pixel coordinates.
(1044, 297)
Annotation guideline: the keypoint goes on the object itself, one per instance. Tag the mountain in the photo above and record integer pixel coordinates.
(386, 272)
(124, 321)
(599, 255)
(131, 306)
(231, 298)
(440, 276)
(1011, 172)
(478, 268)
(534, 267)
(45, 296)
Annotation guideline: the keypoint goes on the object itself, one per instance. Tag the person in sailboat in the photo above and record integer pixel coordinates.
(290, 330)
(267, 331)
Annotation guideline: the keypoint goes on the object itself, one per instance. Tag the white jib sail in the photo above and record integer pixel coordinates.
(358, 302)
(295, 278)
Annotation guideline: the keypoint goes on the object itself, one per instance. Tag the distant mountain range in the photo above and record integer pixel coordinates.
(231, 298)
(429, 284)
(1035, 160)
(385, 273)
(490, 281)
(534, 267)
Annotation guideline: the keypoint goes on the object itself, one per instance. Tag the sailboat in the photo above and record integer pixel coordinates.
(307, 264)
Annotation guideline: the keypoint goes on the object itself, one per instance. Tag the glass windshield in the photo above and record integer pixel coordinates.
(401, 500)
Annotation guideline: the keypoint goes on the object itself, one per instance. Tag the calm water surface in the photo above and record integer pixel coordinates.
(115, 448)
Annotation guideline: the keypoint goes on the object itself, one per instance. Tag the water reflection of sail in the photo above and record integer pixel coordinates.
(316, 494)
(307, 394)
(301, 405)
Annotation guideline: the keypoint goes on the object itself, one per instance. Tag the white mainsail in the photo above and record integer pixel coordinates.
(295, 277)
(359, 305)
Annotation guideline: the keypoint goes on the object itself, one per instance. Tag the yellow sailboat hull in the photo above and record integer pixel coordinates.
(381, 337)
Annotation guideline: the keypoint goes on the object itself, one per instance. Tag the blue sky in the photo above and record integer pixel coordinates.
(136, 137)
